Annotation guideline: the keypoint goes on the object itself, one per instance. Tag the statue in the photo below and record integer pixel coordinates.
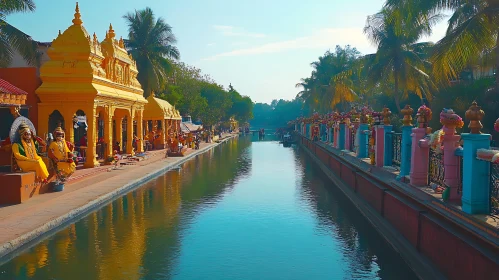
(25, 150)
(60, 153)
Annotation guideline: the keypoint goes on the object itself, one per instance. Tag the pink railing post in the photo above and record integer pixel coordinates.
(450, 121)
(420, 148)
(379, 145)
(348, 134)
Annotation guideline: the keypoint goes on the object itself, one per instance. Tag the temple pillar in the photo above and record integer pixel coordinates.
(108, 131)
(43, 120)
(140, 131)
(119, 130)
(90, 153)
(129, 133)
(68, 123)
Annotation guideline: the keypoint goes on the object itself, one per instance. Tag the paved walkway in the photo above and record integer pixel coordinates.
(25, 222)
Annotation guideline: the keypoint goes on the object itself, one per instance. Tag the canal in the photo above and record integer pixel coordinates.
(245, 210)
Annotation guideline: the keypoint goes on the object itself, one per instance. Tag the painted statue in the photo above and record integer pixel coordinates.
(25, 151)
(61, 155)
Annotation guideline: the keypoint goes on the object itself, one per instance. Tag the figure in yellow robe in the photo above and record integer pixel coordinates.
(60, 153)
(26, 154)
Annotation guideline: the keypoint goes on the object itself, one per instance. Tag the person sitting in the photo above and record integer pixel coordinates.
(116, 147)
(25, 152)
(62, 156)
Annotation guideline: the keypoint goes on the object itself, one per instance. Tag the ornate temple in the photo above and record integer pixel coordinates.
(90, 88)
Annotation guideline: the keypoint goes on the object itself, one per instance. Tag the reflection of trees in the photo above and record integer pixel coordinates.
(137, 234)
(362, 245)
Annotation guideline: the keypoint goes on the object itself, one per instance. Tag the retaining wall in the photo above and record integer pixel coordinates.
(436, 243)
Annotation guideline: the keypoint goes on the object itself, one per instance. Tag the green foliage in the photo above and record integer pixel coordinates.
(13, 39)
(151, 44)
(198, 95)
(276, 114)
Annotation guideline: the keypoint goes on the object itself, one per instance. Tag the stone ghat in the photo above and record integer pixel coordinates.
(435, 239)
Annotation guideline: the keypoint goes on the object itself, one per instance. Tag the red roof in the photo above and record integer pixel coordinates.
(6, 87)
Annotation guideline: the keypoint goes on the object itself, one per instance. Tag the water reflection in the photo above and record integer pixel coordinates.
(241, 211)
(362, 247)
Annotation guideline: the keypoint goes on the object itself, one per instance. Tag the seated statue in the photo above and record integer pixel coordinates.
(62, 156)
(25, 152)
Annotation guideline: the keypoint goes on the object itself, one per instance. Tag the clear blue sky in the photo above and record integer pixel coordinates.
(262, 47)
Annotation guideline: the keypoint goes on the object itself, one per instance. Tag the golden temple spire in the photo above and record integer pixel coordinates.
(77, 20)
(111, 32)
(121, 43)
(59, 32)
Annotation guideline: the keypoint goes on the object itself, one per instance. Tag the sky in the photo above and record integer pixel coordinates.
(262, 47)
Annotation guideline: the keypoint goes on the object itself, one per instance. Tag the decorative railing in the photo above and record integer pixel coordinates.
(436, 168)
(494, 188)
(353, 131)
(397, 149)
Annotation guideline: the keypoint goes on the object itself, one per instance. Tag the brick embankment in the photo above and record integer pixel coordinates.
(435, 240)
(24, 224)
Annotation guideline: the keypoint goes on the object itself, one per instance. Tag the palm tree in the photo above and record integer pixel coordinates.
(472, 33)
(331, 81)
(150, 42)
(400, 60)
(11, 38)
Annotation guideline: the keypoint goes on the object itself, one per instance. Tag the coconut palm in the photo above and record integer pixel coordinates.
(400, 60)
(11, 38)
(331, 81)
(472, 32)
(151, 44)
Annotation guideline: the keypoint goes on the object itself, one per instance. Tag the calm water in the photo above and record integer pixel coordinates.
(245, 210)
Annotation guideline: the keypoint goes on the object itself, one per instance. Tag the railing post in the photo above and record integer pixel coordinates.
(331, 134)
(420, 148)
(387, 138)
(379, 145)
(451, 142)
(405, 154)
(362, 136)
(347, 136)
(308, 132)
(336, 136)
(476, 177)
(341, 140)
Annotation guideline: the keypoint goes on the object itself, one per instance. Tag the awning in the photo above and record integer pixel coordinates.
(159, 109)
(192, 127)
(184, 128)
(11, 95)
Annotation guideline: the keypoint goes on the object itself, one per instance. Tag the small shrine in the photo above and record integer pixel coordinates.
(163, 122)
(90, 89)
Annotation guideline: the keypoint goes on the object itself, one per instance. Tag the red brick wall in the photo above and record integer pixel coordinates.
(403, 216)
(372, 193)
(26, 79)
(456, 258)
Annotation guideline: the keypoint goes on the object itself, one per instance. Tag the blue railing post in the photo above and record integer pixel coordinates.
(405, 154)
(308, 131)
(341, 141)
(387, 158)
(476, 176)
(362, 140)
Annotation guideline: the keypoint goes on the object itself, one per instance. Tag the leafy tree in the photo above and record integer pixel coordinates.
(11, 38)
(472, 33)
(219, 103)
(151, 44)
(331, 81)
(400, 60)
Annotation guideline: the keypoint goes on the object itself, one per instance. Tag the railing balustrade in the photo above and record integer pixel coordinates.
(494, 188)
(397, 149)
(436, 168)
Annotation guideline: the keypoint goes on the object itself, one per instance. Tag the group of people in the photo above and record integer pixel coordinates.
(25, 151)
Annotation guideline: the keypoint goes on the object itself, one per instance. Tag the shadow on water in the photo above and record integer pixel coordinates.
(244, 210)
(362, 244)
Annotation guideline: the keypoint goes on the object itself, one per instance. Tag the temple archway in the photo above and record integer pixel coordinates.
(55, 120)
(80, 128)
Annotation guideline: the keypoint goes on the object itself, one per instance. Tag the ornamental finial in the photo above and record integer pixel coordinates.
(77, 20)
(111, 32)
(386, 113)
(407, 112)
(475, 114)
